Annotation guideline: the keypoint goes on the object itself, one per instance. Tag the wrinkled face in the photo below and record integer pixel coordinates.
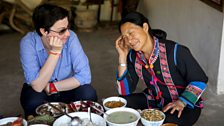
(60, 29)
(135, 36)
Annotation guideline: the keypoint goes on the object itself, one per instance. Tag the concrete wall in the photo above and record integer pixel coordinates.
(192, 23)
(220, 84)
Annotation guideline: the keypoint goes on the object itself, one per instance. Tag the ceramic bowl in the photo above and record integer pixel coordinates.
(65, 120)
(122, 117)
(152, 117)
(114, 102)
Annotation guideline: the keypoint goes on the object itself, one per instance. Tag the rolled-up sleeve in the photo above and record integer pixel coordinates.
(28, 58)
(80, 62)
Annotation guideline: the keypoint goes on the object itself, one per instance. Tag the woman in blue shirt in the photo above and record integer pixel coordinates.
(56, 69)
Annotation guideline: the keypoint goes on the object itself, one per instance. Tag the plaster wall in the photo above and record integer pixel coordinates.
(220, 78)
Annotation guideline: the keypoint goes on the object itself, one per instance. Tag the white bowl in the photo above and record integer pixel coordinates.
(122, 118)
(11, 119)
(65, 120)
(151, 112)
(114, 98)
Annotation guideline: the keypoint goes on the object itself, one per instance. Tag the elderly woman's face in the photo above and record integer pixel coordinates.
(134, 35)
(60, 29)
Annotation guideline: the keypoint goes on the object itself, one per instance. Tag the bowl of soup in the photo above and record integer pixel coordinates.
(152, 117)
(122, 117)
(114, 102)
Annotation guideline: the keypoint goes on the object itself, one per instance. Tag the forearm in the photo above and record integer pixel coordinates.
(45, 73)
(122, 66)
(67, 84)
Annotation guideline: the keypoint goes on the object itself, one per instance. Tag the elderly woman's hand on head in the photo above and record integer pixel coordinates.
(122, 46)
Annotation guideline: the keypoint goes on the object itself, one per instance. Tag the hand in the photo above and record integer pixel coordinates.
(177, 105)
(121, 46)
(56, 45)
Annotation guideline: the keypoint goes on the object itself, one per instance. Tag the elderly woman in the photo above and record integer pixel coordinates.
(56, 69)
(174, 80)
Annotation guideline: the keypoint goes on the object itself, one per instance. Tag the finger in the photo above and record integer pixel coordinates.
(58, 42)
(173, 110)
(51, 40)
(167, 107)
(118, 41)
(179, 113)
(125, 40)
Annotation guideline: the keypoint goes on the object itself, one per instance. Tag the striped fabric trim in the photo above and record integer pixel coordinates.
(124, 74)
(175, 54)
(130, 55)
(199, 84)
(187, 102)
(122, 87)
(119, 88)
(194, 91)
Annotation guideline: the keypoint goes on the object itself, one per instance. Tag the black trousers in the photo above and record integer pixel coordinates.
(188, 118)
(31, 99)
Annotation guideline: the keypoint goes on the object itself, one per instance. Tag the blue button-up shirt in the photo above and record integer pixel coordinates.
(73, 62)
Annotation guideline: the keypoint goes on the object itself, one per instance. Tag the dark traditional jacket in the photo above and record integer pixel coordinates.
(171, 73)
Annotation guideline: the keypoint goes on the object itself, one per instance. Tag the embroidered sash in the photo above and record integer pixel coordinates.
(166, 72)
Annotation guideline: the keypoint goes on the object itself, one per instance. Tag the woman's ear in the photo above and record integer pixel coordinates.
(145, 27)
(43, 32)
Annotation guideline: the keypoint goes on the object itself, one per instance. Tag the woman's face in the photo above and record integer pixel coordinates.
(60, 29)
(135, 36)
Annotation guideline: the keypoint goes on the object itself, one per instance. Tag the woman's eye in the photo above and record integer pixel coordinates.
(132, 34)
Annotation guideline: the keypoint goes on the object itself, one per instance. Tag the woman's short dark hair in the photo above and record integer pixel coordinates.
(45, 15)
(135, 18)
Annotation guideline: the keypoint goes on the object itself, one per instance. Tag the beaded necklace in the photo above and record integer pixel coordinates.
(153, 57)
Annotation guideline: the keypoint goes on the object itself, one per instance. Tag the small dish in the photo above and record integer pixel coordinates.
(11, 119)
(114, 102)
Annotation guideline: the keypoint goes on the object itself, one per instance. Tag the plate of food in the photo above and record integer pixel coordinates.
(41, 120)
(13, 121)
(47, 109)
(82, 106)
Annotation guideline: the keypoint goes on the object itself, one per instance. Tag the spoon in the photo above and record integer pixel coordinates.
(89, 113)
(75, 121)
(94, 107)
